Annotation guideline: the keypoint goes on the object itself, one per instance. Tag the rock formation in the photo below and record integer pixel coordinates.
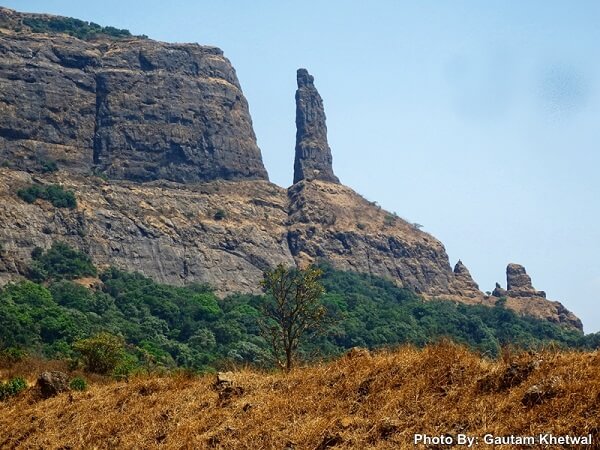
(519, 283)
(165, 230)
(499, 291)
(133, 109)
(332, 222)
(463, 281)
(313, 159)
(52, 383)
(523, 298)
(192, 203)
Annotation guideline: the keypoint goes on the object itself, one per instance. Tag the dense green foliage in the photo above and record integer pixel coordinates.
(167, 326)
(12, 387)
(54, 193)
(47, 165)
(60, 262)
(373, 313)
(73, 27)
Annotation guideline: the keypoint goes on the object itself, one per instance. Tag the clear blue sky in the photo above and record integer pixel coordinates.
(479, 120)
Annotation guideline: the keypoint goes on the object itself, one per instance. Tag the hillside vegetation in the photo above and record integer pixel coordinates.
(166, 326)
(359, 401)
(73, 27)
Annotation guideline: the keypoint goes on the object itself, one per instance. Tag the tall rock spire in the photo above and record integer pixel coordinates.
(313, 156)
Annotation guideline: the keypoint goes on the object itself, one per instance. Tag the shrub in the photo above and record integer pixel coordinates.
(12, 355)
(12, 387)
(78, 384)
(126, 366)
(73, 27)
(101, 353)
(30, 194)
(54, 193)
(220, 214)
(97, 172)
(389, 219)
(59, 197)
(48, 165)
(59, 262)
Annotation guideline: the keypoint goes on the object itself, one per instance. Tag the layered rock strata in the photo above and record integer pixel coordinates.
(132, 108)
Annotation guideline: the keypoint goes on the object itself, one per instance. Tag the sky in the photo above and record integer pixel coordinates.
(478, 120)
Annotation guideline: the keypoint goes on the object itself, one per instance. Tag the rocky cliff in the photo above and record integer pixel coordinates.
(130, 108)
(156, 142)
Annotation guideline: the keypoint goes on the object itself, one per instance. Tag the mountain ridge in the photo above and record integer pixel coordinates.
(160, 151)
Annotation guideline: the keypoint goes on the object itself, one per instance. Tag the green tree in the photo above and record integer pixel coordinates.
(101, 353)
(292, 309)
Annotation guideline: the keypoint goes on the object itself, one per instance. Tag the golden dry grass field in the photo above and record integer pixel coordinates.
(360, 401)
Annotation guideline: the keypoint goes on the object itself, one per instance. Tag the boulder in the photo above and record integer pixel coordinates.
(541, 392)
(499, 291)
(52, 383)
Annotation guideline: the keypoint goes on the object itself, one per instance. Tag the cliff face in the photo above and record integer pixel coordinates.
(157, 144)
(164, 230)
(134, 109)
(331, 221)
(172, 232)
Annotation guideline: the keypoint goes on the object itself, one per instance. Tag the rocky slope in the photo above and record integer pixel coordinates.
(156, 141)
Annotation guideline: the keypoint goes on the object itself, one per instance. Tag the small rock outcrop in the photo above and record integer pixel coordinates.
(523, 298)
(542, 392)
(52, 383)
(226, 387)
(518, 282)
(313, 159)
(499, 291)
(463, 281)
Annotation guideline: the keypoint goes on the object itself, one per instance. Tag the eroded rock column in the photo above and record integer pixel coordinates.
(313, 156)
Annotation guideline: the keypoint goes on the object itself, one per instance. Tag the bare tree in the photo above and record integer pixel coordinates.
(292, 309)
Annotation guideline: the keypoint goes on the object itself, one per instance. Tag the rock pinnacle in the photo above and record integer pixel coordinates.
(313, 156)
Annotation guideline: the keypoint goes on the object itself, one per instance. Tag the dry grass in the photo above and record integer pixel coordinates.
(359, 401)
